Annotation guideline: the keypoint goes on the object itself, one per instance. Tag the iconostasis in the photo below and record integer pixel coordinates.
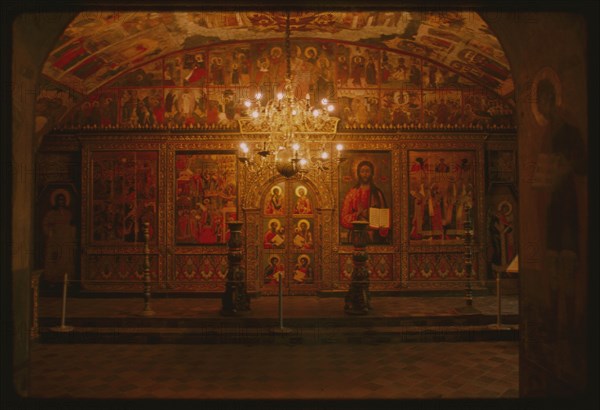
(94, 200)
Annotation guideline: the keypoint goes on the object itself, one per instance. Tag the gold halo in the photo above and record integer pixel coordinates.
(62, 191)
(510, 208)
(304, 255)
(272, 255)
(276, 48)
(274, 220)
(355, 167)
(310, 48)
(549, 74)
(278, 187)
(298, 188)
(303, 220)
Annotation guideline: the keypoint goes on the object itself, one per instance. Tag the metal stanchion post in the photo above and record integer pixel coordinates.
(62, 327)
(281, 329)
(499, 296)
(498, 325)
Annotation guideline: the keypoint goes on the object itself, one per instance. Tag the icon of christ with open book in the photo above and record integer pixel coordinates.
(366, 202)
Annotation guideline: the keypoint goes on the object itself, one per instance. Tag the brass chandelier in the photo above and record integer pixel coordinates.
(292, 136)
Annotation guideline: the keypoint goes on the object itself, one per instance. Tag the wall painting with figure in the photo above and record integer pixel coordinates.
(59, 221)
(502, 227)
(366, 195)
(559, 267)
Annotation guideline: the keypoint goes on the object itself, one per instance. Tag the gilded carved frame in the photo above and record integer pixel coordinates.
(175, 250)
(476, 144)
(370, 144)
(90, 147)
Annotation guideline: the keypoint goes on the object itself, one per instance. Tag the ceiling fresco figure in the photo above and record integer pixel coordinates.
(448, 36)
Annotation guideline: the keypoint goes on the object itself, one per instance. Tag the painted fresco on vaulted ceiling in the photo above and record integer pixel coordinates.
(96, 47)
(194, 69)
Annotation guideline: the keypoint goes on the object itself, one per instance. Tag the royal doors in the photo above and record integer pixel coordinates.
(288, 239)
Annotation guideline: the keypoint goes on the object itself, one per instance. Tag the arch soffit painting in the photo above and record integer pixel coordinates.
(110, 45)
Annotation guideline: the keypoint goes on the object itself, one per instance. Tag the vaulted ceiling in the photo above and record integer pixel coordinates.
(101, 55)
(98, 47)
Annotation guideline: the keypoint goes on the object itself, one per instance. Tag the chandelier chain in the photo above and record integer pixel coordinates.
(299, 131)
(288, 57)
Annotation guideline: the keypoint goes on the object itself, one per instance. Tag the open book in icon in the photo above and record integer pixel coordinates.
(277, 240)
(379, 218)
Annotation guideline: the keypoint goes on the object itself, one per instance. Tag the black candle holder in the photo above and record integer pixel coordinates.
(358, 298)
(235, 298)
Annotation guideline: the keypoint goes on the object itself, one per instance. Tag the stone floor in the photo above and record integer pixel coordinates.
(330, 371)
(479, 370)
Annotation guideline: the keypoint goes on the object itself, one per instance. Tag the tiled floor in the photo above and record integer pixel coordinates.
(282, 370)
(323, 371)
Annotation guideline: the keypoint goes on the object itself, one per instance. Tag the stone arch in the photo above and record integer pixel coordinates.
(511, 32)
